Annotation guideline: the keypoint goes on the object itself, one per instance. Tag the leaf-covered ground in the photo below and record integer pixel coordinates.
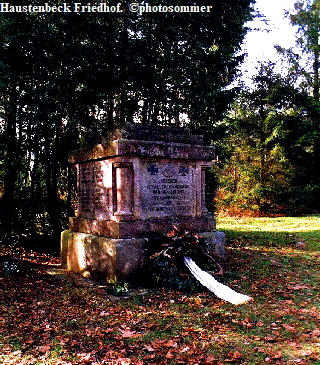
(53, 317)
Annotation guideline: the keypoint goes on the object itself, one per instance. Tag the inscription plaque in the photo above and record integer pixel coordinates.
(93, 192)
(168, 189)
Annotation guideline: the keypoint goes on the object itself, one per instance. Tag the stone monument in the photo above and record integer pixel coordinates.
(141, 180)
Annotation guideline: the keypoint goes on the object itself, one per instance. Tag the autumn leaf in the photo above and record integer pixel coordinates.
(234, 356)
(210, 359)
(237, 355)
(104, 313)
(288, 327)
(44, 348)
(277, 355)
(129, 334)
(185, 349)
(299, 287)
(170, 355)
(270, 339)
(171, 343)
(148, 348)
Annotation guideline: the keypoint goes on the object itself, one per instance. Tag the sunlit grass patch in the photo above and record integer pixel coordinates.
(278, 260)
(302, 233)
(279, 224)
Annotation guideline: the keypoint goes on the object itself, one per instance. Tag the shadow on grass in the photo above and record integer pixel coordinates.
(49, 317)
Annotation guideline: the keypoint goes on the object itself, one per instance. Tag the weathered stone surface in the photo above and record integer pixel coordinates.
(143, 141)
(168, 189)
(156, 133)
(129, 180)
(138, 181)
(215, 242)
(119, 260)
(124, 147)
(122, 189)
(138, 228)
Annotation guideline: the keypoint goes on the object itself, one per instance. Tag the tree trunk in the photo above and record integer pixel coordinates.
(10, 168)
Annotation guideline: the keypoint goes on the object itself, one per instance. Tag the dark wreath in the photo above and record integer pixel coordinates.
(166, 254)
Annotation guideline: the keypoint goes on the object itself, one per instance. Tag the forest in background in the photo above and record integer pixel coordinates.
(269, 139)
(68, 79)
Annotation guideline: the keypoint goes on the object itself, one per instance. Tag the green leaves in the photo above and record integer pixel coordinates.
(270, 154)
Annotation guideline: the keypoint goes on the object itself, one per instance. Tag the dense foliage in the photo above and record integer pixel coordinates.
(69, 78)
(269, 149)
(272, 144)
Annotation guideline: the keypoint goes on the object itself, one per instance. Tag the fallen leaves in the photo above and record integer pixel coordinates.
(44, 348)
(234, 356)
(42, 323)
(149, 348)
(299, 287)
(274, 357)
(315, 333)
(170, 355)
(126, 333)
(288, 327)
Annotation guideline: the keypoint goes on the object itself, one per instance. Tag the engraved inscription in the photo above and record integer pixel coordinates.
(170, 191)
(100, 192)
(86, 204)
(93, 194)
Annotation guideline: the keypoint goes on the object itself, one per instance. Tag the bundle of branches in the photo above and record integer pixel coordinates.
(177, 253)
(166, 260)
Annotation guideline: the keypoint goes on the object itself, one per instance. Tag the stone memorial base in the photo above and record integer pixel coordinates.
(138, 228)
(110, 259)
(115, 260)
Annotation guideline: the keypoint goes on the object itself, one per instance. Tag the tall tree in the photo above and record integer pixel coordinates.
(68, 78)
(307, 18)
(265, 148)
(304, 63)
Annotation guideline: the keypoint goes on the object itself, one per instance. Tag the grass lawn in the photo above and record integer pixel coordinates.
(54, 317)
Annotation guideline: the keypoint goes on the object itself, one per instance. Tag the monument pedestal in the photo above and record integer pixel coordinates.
(113, 259)
(142, 180)
(138, 228)
(110, 259)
